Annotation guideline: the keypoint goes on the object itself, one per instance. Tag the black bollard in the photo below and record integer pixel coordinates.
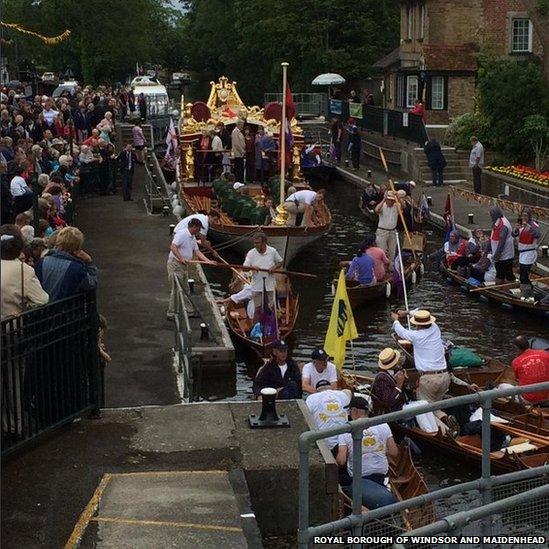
(470, 219)
(166, 211)
(430, 200)
(545, 251)
(369, 174)
(191, 285)
(204, 331)
(172, 229)
(268, 417)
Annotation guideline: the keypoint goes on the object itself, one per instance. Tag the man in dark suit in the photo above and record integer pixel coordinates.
(127, 160)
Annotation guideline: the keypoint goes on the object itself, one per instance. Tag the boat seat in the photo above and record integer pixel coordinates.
(520, 448)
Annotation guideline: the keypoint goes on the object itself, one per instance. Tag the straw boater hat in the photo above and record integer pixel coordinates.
(422, 318)
(388, 358)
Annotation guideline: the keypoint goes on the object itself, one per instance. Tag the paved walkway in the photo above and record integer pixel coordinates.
(130, 248)
(462, 207)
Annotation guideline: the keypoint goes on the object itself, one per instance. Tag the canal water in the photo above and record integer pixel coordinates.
(465, 321)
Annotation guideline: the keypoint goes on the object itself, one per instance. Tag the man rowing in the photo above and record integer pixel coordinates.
(262, 256)
(429, 359)
(387, 210)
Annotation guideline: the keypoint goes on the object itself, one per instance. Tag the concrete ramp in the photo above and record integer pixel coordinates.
(168, 509)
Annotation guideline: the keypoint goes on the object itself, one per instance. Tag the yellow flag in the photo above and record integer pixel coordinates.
(342, 326)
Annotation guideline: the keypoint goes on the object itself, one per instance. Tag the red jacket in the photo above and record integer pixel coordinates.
(532, 366)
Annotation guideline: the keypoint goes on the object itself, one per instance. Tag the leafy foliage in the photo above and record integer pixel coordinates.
(248, 39)
(461, 129)
(536, 131)
(509, 92)
(107, 37)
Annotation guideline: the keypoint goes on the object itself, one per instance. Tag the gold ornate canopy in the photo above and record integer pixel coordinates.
(226, 106)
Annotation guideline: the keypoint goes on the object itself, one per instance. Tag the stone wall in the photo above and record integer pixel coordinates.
(461, 95)
(495, 184)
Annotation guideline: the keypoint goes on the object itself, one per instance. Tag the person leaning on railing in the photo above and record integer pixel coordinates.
(21, 289)
(67, 269)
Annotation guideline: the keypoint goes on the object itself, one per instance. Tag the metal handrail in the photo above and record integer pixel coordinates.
(356, 428)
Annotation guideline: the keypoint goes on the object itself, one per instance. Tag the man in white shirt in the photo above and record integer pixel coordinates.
(377, 444)
(49, 113)
(217, 149)
(263, 257)
(429, 358)
(319, 369)
(20, 191)
(184, 247)
(387, 211)
(328, 410)
(303, 202)
(476, 162)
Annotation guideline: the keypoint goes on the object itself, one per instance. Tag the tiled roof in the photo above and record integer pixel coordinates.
(450, 58)
(388, 60)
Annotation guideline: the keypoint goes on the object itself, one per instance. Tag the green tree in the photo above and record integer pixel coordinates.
(248, 39)
(536, 131)
(108, 37)
(508, 92)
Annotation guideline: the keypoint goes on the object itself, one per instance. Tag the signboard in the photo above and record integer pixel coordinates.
(355, 110)
(336, 106)
(405, 119)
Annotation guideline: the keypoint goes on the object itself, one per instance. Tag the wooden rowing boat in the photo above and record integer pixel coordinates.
(405, 482)
(360, 295)
(490, 372)
(287, 310)
(504, 297)
(530, 432)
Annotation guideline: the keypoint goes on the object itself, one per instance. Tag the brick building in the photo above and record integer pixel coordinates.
(439, 45)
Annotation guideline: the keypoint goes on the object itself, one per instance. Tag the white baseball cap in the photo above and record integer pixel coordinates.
(238, 185)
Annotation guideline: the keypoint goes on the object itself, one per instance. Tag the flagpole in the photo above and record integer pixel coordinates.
(403, 277)
(282, 134)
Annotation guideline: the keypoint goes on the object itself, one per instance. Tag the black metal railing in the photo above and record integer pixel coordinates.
(384, 121)
(49, 369)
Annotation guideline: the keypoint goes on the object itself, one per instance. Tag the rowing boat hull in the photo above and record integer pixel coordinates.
(288, 241)
(361, 295)
(241, 238)
(503, 298)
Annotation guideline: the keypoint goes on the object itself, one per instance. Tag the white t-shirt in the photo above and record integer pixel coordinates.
(305, 197)
(328, 410)
(18, 186)
(374, 450)
(245, 294)
(313, 376)
(186, 244)
(184, 223)
(388, 217)
(264, 261)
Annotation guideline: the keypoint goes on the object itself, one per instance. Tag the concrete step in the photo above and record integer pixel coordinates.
(169, 509)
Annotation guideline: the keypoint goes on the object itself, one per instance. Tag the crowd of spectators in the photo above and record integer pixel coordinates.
(52, 150)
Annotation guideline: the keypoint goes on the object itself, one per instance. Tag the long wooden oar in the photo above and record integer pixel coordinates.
(507, 285)
(244, 268)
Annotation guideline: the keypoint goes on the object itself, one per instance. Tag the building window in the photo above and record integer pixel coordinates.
(521, 39)
(410, 21)
(437, 93)
(422, 21)
(411, 90)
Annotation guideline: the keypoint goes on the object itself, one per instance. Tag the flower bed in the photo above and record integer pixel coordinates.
(524, 173)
